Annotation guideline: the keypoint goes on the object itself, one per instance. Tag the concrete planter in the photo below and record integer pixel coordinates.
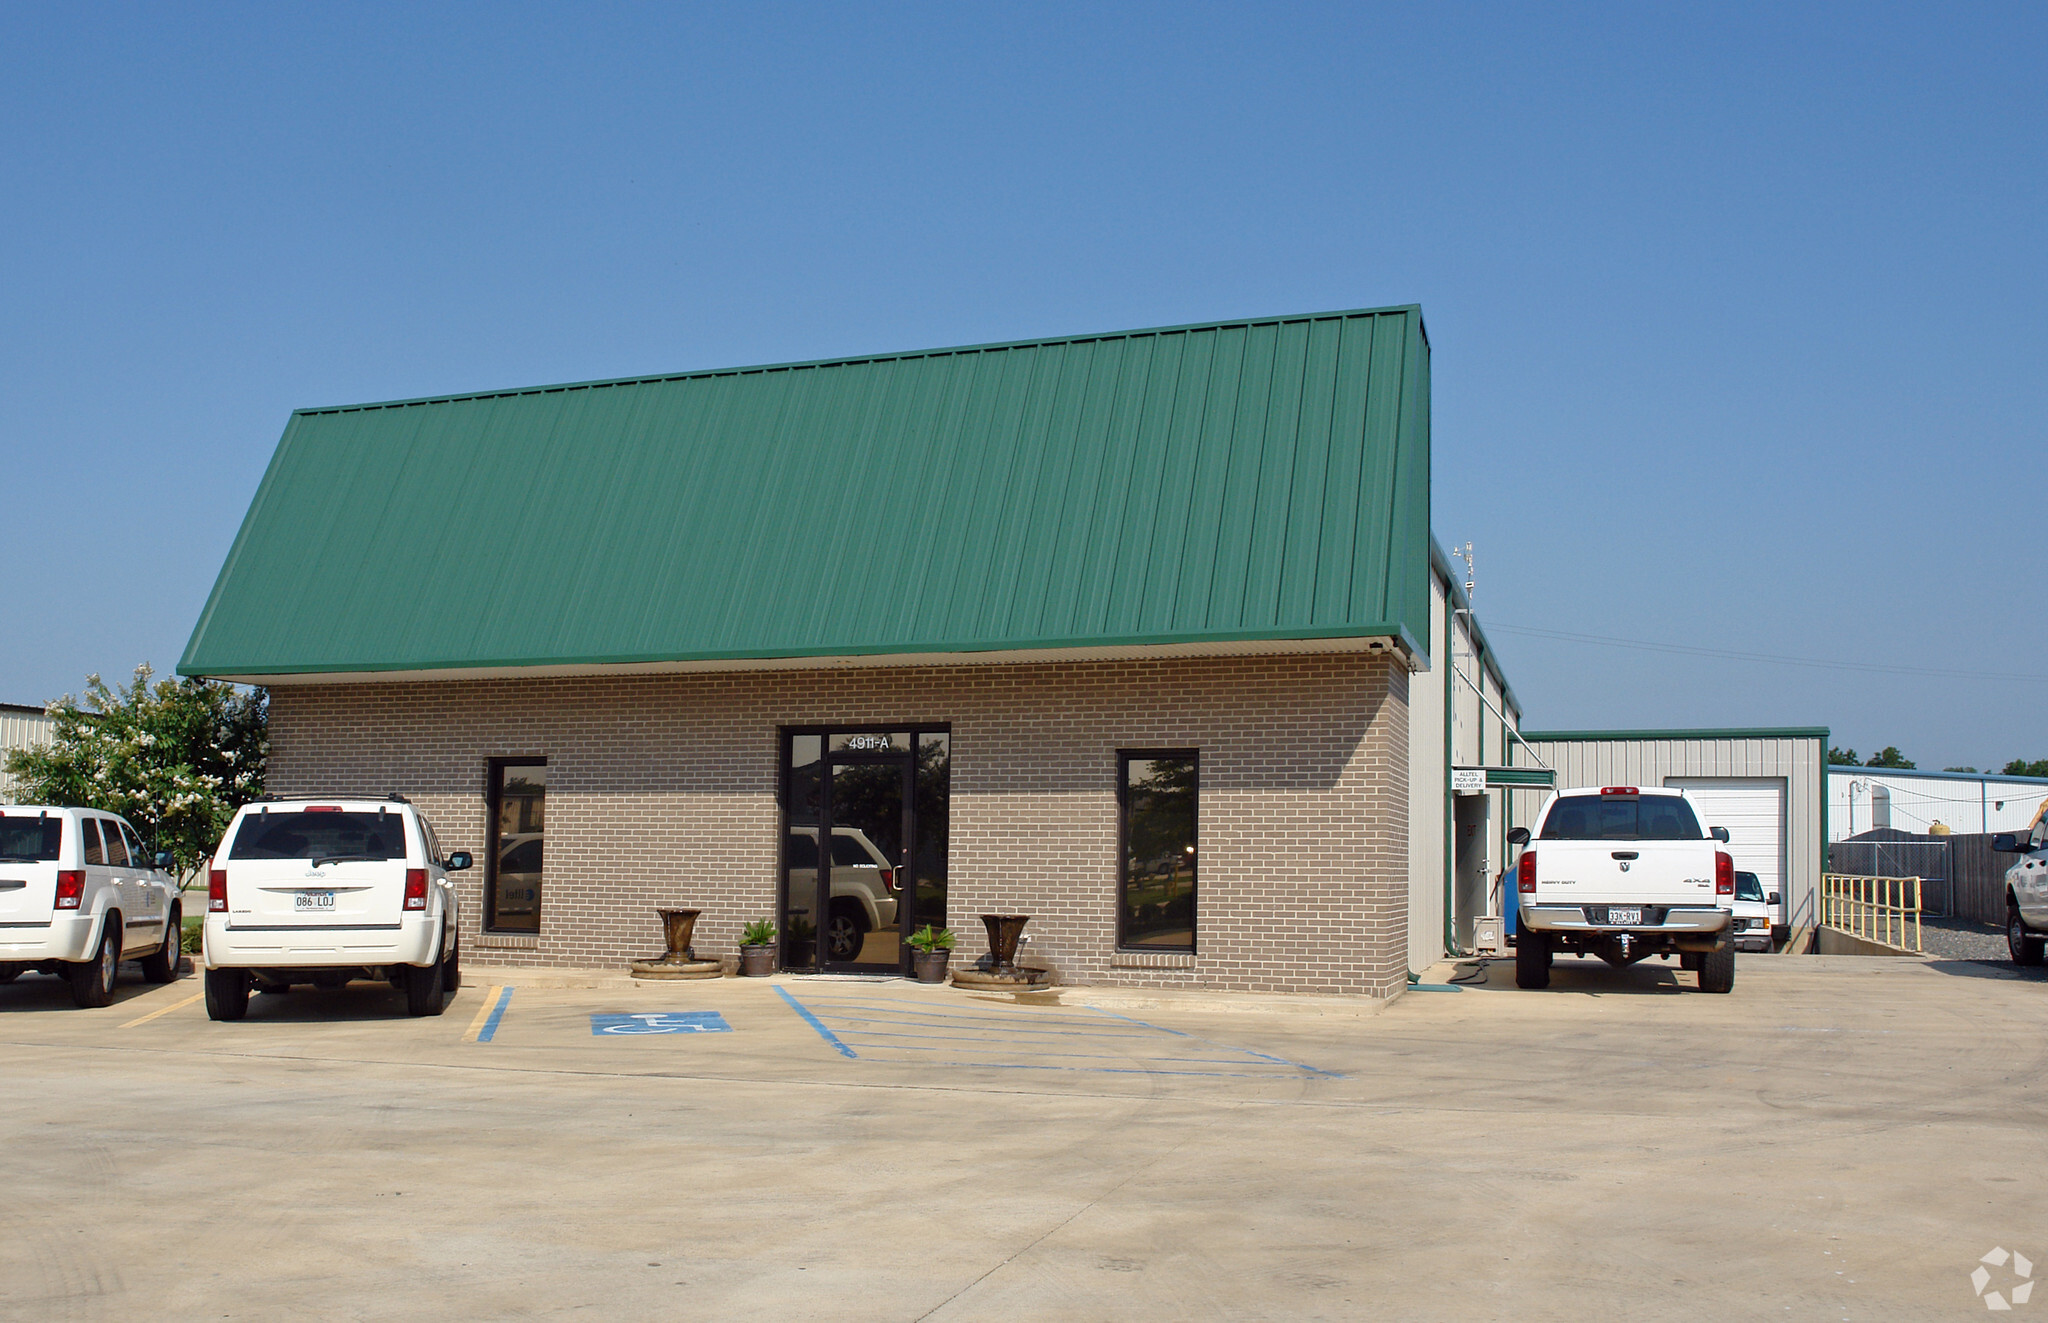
(757, 961)
(931, 965)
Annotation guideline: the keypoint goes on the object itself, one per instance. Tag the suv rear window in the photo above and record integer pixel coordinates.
(30, 840)
(847, 853)
(1600, 818)
(301, 835)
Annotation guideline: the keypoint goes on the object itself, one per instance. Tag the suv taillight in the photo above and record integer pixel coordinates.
(415, 888)
(1724, 874)
(217, 891)
(70, 887)
(1525, 873)
(888, 879)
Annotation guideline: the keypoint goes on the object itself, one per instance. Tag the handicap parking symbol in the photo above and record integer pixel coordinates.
(661, 1022)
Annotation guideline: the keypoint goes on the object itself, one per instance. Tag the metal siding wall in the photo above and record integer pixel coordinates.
(1649, 761)
(19, 730)
(1428, 778)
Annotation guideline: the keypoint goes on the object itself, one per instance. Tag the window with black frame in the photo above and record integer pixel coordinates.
(512, 894)
(1156, 811)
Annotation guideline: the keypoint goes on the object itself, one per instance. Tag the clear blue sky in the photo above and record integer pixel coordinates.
(1738, 313)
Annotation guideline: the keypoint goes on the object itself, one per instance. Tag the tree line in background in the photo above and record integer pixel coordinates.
(175, 758)
(1889, 756)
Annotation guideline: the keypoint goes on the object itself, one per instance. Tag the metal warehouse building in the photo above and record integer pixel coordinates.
(21, 727)
(1862, 799)
(1142, 634)
(1766, 786)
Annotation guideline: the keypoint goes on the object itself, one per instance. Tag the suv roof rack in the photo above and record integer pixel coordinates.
(393, 798)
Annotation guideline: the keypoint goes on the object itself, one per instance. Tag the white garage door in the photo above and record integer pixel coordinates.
(1753, 811)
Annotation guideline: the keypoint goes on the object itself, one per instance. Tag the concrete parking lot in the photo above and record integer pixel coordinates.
(1840, 1138)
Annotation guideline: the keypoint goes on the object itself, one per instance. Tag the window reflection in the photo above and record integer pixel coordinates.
(798, 929)
(933, 789)
(519, 792)
(1156, 892)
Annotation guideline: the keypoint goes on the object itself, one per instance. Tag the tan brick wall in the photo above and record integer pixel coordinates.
(662, 789)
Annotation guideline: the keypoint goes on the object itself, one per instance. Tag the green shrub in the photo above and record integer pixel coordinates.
(761, 932)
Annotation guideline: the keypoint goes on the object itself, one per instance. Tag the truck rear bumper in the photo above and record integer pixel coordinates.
(1572, 919)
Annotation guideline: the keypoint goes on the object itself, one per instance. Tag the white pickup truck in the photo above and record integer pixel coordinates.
(1624, 873)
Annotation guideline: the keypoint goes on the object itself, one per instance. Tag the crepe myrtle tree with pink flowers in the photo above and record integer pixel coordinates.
(176, 758)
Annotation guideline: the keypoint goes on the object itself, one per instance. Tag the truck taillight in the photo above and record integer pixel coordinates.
(70, 887)
(1525, 873)
(888, 879)
(216, 891)
(1724, 873)
(415, 888)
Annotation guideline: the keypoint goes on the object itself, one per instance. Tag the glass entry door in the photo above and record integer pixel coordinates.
(863, 846)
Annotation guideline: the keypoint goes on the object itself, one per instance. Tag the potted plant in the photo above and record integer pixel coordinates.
(757, 949)
(933, 946)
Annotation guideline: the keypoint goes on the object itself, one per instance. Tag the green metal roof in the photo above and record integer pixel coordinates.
(1223, 484)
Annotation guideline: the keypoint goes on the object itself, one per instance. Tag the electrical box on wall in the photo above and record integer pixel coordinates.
(1486, 937)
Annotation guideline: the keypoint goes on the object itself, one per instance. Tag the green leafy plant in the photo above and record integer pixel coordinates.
(760, 932)
(193, 937)
(929, 939)
(175, 758)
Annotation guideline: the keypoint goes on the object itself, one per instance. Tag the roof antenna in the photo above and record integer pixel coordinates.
(1466, 556)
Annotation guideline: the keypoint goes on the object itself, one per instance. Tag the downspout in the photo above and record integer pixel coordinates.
(1826, 793)
(1450, 757)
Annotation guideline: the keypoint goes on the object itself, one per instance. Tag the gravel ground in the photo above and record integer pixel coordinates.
(1963, 939)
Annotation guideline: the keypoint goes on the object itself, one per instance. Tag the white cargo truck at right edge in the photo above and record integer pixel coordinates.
(1624, 873)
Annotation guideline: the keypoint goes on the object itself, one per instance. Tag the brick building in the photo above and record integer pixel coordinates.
(1133, 633)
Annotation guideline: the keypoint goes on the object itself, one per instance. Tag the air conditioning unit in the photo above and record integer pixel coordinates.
(1486, 934)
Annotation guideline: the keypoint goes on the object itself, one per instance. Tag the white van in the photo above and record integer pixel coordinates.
(326, 890)
(78, 895)
(1756, 915)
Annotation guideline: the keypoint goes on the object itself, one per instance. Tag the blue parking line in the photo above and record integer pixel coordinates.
(1108, 1070)
(1227, 1047)
(870, 1049)
(490, 1029)
(816, 1023)
(890, 1026)
(1039, 1025)
(996, 1029)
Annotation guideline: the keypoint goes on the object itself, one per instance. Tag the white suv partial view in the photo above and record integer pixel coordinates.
(864, 887)
(78, 895)
(326, 890)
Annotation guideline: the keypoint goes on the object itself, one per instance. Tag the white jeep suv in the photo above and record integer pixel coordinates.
(863, 887)
(326, 890)
(78, 895)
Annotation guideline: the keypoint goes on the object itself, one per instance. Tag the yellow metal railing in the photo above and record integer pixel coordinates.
(1879, 909)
